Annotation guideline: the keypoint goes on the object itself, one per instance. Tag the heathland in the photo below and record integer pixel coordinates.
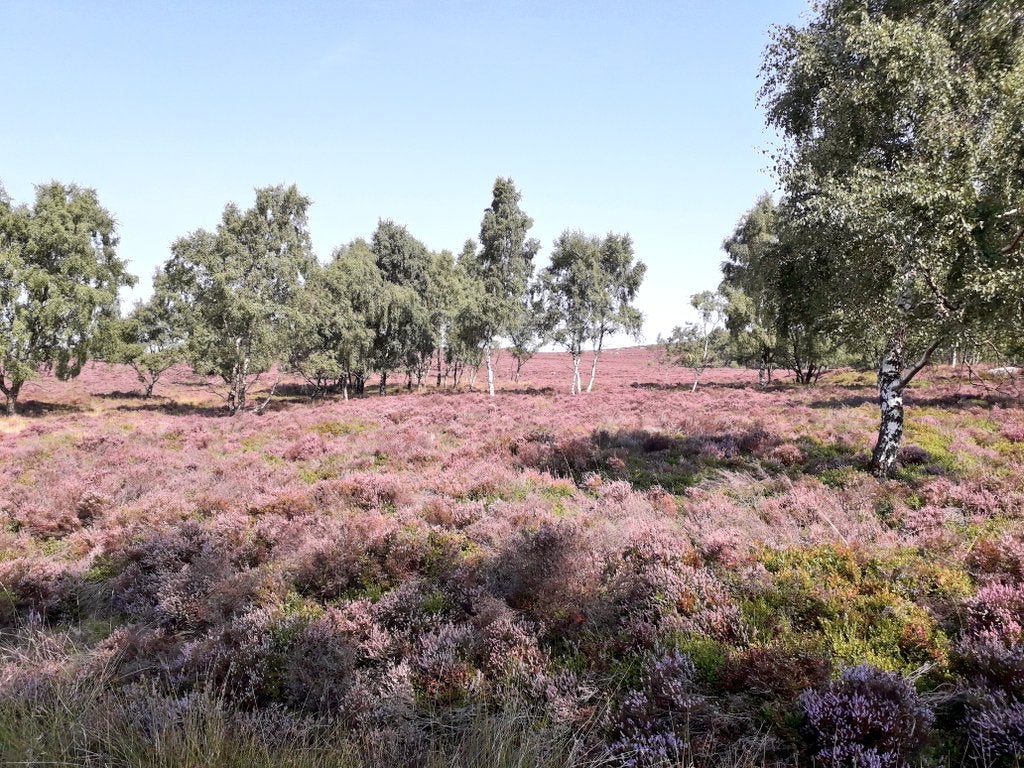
(638, 574)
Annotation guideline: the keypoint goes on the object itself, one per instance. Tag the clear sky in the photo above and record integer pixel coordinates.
(636, 117)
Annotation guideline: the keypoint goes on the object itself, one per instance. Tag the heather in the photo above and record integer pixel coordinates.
(640, 575)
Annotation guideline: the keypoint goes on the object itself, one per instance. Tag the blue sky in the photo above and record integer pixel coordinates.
(626, 117)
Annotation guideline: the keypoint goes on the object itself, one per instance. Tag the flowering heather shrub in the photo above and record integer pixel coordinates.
(36, 586)
(979, 497)
(1001, 558)
(723, 545)
(442, 669)
(306, 448)
(509, 647)
(537, 565)
(243, 658)
(995, 728)
(655, 721)
(867, 718)
(989, 662)
(168, 577)
(778, 672)
(385, 558)
(997, 611)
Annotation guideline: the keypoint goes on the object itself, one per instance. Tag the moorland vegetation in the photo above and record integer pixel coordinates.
(257, 559)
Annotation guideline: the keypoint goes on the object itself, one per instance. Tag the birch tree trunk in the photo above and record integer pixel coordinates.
(576, 381)
(490, 372)
(890, 401)
(593, 368)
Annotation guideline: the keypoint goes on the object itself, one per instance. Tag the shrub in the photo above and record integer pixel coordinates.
(867, 718)
(35, 586)
(997, 610)
(990, 663)
(654, 722)
(995, 728)
(777, 672)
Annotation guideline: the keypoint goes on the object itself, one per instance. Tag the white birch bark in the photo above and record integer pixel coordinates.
(490, 372)
(593, 370)
(890, 401)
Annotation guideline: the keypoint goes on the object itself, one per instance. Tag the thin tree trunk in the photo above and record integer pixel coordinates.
(593, 368)
(890, 401)
(490, 373)
(242, 384)
(263, 406)
(382, 386)
(576, 381)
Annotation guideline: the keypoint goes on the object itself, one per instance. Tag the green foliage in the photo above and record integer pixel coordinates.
(59, 280)
(503, 267)
(702, 344)
(871, 609)
(903, 175)
(235, 289)
(149, 340)
(590, 286)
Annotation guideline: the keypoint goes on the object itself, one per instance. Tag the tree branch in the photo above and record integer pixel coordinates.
(1014, 244)
(922, 361)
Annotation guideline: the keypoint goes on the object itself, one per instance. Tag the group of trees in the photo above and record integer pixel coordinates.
(251, 297)
(899, 232)
(898, 236)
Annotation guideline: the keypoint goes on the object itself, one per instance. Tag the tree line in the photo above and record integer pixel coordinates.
(251, 297)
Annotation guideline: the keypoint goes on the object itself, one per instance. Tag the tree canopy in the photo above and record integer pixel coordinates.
(59, 278)
(903, 139)
(235, 287)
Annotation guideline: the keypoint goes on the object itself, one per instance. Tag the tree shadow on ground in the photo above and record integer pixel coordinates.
(963, 400)
(688, 386)
(35, 409)
(121, 395)
(677, 462)
(173, 408)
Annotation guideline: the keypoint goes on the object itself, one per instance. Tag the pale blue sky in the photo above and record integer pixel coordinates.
(636, 117)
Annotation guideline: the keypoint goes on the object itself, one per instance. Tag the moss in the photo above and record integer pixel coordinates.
(173, 440)
(54, 547)
(935, 442)
(555, 492)
(445, 551)
(253, 442)
(326, 470)
(838, 477)
(295, 606)
(340, 428)
(852, 379)
(434, 603)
